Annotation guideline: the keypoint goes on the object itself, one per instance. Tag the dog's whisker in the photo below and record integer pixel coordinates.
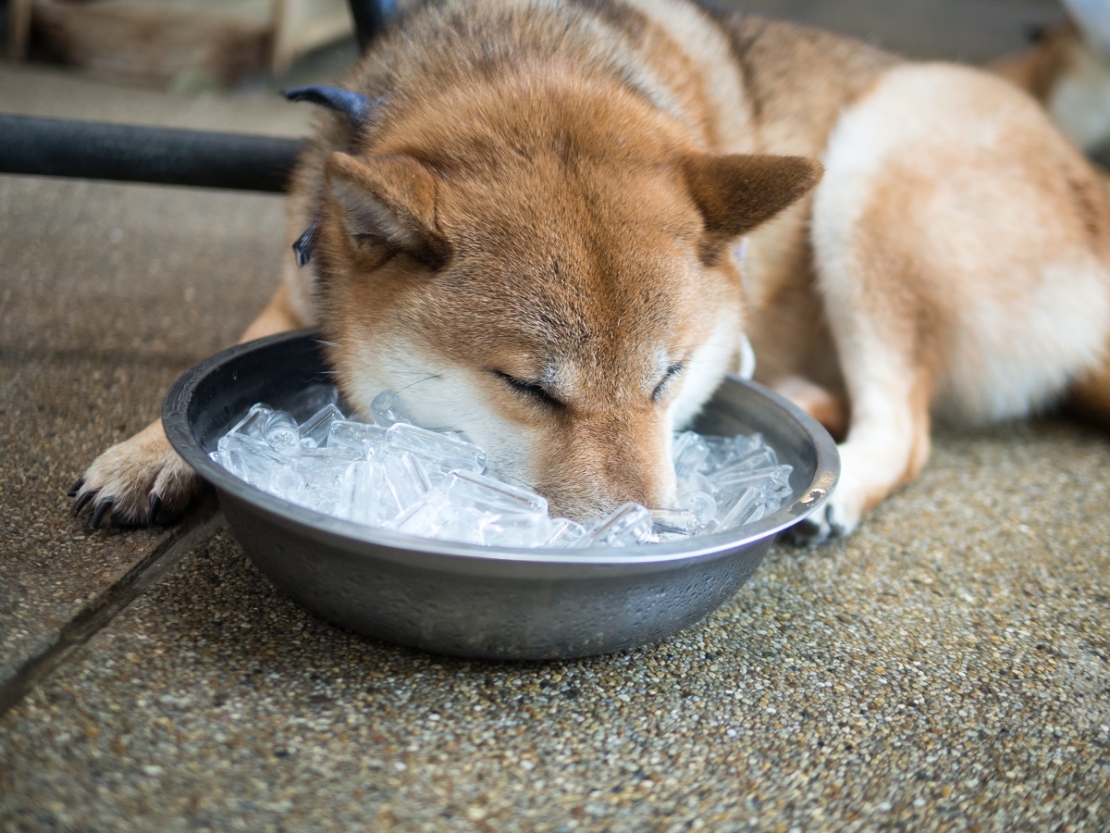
(427, 378)
(521, 481)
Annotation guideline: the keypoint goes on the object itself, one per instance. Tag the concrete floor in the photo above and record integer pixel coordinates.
(948, 667)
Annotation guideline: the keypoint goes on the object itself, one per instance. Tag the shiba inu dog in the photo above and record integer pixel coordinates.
(555, 223)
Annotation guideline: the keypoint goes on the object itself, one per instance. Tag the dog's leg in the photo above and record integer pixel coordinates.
(961, 246)
(887, 441)
(142, 480)
(820, 403)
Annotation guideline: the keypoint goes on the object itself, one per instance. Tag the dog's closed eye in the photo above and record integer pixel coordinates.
(530, 389)
(671, 373)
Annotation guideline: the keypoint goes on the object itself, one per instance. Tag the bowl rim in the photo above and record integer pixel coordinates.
(175, 420)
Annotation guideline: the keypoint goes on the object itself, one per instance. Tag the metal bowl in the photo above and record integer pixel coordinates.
(473, 601)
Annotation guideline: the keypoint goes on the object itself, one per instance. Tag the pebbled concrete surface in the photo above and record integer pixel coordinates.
(947, 668)
(107, 295)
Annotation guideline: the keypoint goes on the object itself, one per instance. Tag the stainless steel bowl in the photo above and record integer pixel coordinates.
(472, 601)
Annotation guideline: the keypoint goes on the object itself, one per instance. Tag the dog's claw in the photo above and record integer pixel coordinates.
(137, 481)
(82, 502)
(102, 509)
(76, 487)
(819, 528)
(808, 533)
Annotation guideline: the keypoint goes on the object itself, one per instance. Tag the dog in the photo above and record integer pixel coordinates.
(556, 223)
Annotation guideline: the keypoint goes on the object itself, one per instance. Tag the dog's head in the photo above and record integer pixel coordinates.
(554, 281)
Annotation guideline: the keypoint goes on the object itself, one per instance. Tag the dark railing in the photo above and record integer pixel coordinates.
(96, 150)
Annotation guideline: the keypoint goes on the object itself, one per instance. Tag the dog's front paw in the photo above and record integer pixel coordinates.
(820, 527)
(836, 519)
(138, 481)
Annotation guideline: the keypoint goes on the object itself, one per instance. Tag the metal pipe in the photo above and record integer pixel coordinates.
(129, 153)
(98, 150)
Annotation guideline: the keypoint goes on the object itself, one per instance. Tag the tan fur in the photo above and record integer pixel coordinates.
(535, 237)
(549, 303)
(1070, 75)
(830, 410)
(142, 480)
(1038, 69)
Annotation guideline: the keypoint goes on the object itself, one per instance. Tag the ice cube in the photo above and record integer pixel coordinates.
(281, 432)
(438, 517)
(726, 451)
(407, 480)
(252, 424)
(434, 472)
(315, 430)
(690, 452)
(488, 493)
(323, 468)
(470, 508)
(680, 521)
(760, 458)
(250, 459)
(444, 451)
(514, 529)
(426, 517)
(431, 483)
(562, 533)
(505, 515)
(747, 508)
(288, 484)
(701, 503)
(626, 525)
(310, 399)
(463, 524)
(695, 482)
(389, 409)
(772, 482)
(326, 501)
(358, 436)
(365, 494)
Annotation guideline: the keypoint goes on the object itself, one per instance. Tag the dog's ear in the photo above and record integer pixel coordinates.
(736, 193)
(388, 200)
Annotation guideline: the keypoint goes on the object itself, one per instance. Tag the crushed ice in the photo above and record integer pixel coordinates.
(395, 475)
